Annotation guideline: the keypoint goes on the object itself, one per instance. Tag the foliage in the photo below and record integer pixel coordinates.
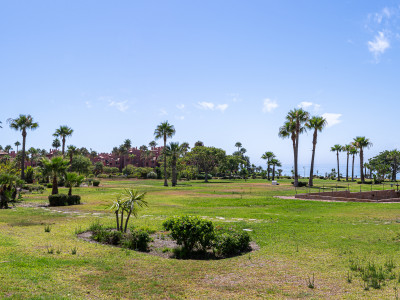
(54, 168)
(73, 179)
(192, 233)
(81, 164)
(29, 176)
(164, 131)
(64, 200)
(110, 170)
(206, 158)
(137, 240)
(230, 242)
(98, 168)
(8, 189)
(96, 182)
(151, 175)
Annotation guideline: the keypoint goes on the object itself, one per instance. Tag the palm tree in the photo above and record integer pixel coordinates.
(22, 123)
(318, 124)
(34, 154)
(54, 168)
(73, 179)
(71, 151)
(292, 128)
(199, 144)
(347, 148)
(17, 144)
(63, 132)
(268, 156)
(275, 163)
(362, 142)
(7, 148)
(164, 130)
(174, 150)
(56, 144)
(353, 151)
(152, 144)
(238, 145)
(185, 147)
(337, 148)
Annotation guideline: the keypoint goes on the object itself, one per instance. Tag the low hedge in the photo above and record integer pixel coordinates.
(64, 200)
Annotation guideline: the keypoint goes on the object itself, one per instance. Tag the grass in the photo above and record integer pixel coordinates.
(297, 238)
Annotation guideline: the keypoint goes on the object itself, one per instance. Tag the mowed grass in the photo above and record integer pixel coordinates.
(297, 239)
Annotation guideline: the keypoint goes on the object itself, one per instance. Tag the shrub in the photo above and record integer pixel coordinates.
(365, 182)
(231, 243)
(102, 176)
(137, 240)
(191, 232)
(300, 183)
(34, 188)
(96, 182)
(203, 176)
(49, 185)
(63, 200)
(151, 175)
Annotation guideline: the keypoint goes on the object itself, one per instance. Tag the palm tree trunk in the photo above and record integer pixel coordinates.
(295, 150)
(173, 172)
(273, 172)
(311, 179)
(362, 165)
(338, 171)
(165, 162)
(122, 220)
(54, 190)
(63, 145)
(352, 169)
(268, 168)
(23, 154)
(347, 168)
(127, 220)
(116, 216)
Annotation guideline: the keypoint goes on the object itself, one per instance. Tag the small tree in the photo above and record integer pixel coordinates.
(73, 179)
(55, 167)
(130, 201)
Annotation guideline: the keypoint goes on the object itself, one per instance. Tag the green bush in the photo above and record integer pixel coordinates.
(300, 183)
(49, 185)
(102, 176)
(203, 176)
(231, 243)
(63, 200)
(96, 182)
(137, 240)
(151, 175)
(191, 232)
(365, 182)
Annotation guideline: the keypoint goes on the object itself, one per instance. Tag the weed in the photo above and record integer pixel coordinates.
(310, 282)
(78, 230)
(47, 228)
(50, 250)
(74, 250)
(349, 277)
(58, 251)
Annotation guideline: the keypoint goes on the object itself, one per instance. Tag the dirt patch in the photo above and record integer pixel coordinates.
(161, 245)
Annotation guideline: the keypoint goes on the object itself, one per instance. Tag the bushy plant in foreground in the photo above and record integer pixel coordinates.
(137, 240)
(229, 243)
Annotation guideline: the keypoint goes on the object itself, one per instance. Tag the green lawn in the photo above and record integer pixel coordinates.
(298, 238)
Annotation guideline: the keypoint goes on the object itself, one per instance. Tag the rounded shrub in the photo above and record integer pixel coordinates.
(96, 182)
(151, 175)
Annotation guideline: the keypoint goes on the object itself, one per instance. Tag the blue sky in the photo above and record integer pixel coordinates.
(219, 71)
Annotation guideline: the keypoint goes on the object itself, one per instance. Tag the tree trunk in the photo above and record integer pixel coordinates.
(273, 172)
(362, 165)
(70, 191)
(347, 167)
(268, 168)
(165, 162)
(206, 176)
(296, 176)
(394, 174)
(63, 145)
(127, 220)
(54, 190)
(23, 154)
(173, 172)
(311, 179)
(122, 220)
(338, 171)
(352, 169)
(116, 216)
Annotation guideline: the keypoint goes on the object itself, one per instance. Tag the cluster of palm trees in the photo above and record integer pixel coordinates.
(271, 161)
(299, 121)
(356, 146)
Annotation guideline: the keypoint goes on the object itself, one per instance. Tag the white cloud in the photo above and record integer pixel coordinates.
(221, 107)
(305, 104)
(163, 112)
(121, 106)
(211, 106)
(332, 119)
(379, 45)
(269, 105)
(308, 105)
(384, 13)
(180, 106)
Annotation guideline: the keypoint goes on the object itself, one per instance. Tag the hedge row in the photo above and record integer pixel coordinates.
(64, 200)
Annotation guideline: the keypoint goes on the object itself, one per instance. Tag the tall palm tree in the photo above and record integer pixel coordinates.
(7, 148)
(292, 128)
(174, 150)
(23, 123)
(347, 148)
(268, 156)
(353, 151)
(17, 144)
(164, 131)
(275, 163)
(318, 124)
(56, 144)
(63, 132)
(337, 148)
(238, 145)
(361, 142)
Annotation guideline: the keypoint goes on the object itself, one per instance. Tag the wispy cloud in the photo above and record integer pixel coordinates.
(180, 117)
(379, 44)
(269, 105)
(88, 104)
(332, 119)
(211, 106)
(383, 26)
(163, 112)
(309, 105)
(121, 106)
(180, 106)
